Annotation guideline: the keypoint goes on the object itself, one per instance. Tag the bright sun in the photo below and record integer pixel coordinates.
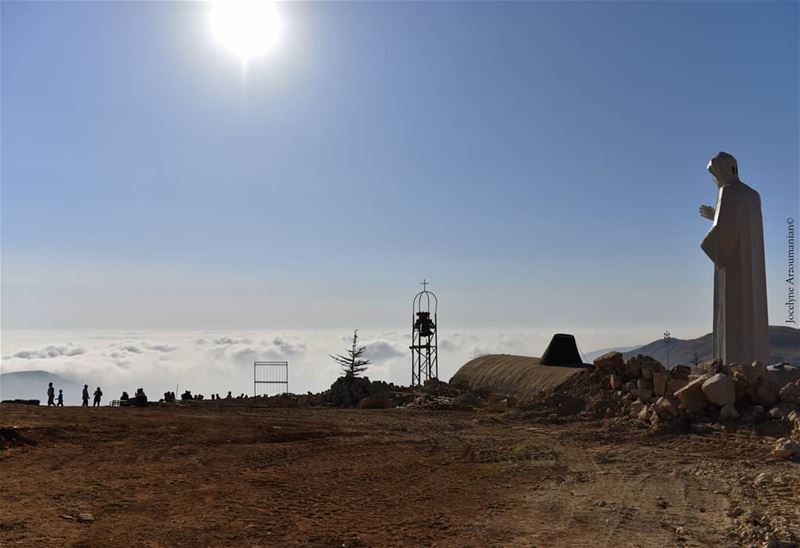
(246, 28)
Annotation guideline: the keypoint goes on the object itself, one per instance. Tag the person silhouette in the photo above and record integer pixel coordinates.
(51, 393)
(60, 398)
(85, 395)
(97, 395)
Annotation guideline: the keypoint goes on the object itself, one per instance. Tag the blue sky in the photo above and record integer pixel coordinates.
(542, 163)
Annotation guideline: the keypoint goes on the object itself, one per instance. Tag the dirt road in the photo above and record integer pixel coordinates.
(205, 475)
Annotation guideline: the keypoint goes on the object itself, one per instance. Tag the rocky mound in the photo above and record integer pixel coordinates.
(349, 391)
(711, 393)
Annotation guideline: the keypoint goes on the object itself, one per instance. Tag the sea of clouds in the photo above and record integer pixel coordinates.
(218, 361)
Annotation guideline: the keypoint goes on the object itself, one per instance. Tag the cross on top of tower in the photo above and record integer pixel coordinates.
(425, 283)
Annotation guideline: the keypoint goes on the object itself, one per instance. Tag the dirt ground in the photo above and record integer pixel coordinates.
(241, 476)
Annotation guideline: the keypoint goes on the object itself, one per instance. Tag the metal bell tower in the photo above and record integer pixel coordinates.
(424, 337)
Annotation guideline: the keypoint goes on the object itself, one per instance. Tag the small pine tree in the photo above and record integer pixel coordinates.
(352, 364)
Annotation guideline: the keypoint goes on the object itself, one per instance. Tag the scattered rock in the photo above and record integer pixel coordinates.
(781, 411)
(728, 413)
(791, 393)
(85, 517)
(720, 389)
(786, 448)
(762, 479)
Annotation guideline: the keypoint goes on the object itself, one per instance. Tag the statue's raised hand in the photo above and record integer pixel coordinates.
(707, 212)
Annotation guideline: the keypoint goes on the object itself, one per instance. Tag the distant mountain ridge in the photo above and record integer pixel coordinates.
(784, 345)
(33, 385)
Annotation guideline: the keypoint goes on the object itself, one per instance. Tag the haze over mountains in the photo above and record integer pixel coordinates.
(32, 385)
(206, 363)
(784, 344)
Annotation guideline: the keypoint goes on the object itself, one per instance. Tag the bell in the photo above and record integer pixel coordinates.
(424, 324)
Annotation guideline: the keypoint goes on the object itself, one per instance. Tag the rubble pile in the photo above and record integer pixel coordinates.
(711, 392)
(349, 390)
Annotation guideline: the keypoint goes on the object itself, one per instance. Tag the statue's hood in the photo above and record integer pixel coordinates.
(724, 168)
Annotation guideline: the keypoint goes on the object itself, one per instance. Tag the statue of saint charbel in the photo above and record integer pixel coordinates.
(736, 245)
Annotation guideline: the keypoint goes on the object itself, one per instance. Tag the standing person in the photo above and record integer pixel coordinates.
(85, 395)
(97, 395)
(51, 393)
(60, 398)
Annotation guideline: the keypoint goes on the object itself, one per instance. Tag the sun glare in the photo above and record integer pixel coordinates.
(246, 28)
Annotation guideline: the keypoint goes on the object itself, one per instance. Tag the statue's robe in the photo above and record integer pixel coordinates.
(736, 245)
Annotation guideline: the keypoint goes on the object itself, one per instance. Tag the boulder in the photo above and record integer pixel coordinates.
(665, 409)
(673, 385)
(751, 373)
(781, 411)
(784, 373)
(610, 361)
(786, 448)
(708, 367)
(765, 392)
(720, 389)
(680, 372)
(659, 383)
(636, 407)
(633, 369)
(647, 372)
(644, 414)
(615, 381)
(644, 384)
(655, 420)
(740, 388)
(790, 393)
(644, 389)
(728, 413)
(691, 396)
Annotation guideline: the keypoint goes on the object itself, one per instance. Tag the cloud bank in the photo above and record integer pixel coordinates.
(216, 362)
